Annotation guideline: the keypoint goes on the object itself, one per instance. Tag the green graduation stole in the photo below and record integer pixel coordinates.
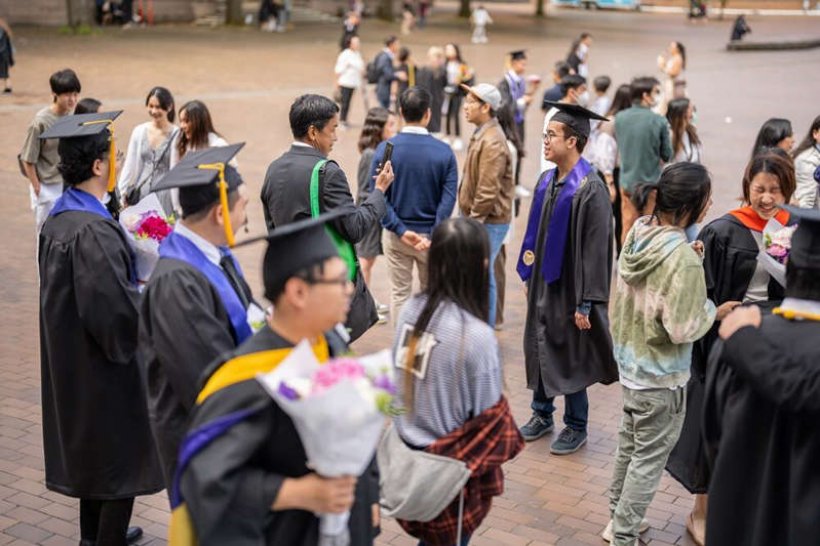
(345, 248)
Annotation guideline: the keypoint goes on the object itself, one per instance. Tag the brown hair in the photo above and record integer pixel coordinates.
(199, 118)
(677, 114)
(772, 161)
(373, 127)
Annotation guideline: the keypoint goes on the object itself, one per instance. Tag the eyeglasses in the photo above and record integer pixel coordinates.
(342, 280)
(550, 135)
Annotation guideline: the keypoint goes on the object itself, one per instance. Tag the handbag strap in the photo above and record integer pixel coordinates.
(155, 162)
(314, 187)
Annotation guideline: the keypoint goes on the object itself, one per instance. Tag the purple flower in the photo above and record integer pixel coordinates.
(288, 392)
(384, 383)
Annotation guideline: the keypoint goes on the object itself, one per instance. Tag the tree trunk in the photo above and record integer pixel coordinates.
(384, 10)
(233, 12)
(539, 8)
(79, 12)
(464, 9)
(722, 7)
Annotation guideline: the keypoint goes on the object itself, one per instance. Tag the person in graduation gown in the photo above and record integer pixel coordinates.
(566, 263)
(96, 437)
(733, 276)
(516, 94)
(761, 409)
(249, 484)
(286, 193)
(196, 305)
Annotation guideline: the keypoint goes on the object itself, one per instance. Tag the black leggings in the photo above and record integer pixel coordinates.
(453, 114)
(347, 94)
(105, 522)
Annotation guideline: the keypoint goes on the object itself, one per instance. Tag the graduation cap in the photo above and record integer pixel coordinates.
(87, 126)
(575, 116)
(805, 252)
(203, 178)
(294, 247)
(518, 54)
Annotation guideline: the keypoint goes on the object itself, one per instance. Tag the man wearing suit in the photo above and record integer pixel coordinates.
(286, 191)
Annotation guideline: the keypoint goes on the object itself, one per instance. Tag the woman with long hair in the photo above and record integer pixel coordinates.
(602, 153)
(449, 380)
(196, 131)
(673, 65)
(380, 124)
(774, 133)
(149, 151)
(806, 161)
(686, 144)
(734, 276)
(578, 56)
(458, 72)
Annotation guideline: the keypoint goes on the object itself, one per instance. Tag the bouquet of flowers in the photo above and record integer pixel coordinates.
(777, 244)
(147, 225)
(338, 409)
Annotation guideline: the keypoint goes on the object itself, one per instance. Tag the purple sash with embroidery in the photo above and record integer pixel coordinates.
(558, 224)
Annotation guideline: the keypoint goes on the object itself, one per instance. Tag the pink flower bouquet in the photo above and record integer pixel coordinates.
(777, 244)
(338, 409)
(147, 225)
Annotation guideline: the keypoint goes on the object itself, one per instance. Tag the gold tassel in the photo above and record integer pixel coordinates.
(223, 200)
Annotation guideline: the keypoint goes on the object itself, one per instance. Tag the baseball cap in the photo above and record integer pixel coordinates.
(485, 92)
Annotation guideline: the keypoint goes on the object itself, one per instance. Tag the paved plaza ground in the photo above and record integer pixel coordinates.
(249, 79)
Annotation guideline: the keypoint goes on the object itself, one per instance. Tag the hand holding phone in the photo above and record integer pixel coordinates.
(388, 152)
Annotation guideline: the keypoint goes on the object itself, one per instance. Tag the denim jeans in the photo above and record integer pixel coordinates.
(576, 407)
(497, 232)
(650, 427)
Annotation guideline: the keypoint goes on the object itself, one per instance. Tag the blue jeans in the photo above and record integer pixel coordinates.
(497, 232)
(576, 407)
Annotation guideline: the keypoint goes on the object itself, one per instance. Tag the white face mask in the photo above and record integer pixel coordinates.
(656, 99)
(583, 99)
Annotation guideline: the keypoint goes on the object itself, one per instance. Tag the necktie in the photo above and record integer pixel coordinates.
(234, 278)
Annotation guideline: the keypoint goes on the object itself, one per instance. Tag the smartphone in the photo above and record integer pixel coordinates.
(388, 153)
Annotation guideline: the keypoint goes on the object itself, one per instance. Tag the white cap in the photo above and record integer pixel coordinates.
(486, 93)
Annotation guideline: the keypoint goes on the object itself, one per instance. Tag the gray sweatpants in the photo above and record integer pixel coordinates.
(650, 427)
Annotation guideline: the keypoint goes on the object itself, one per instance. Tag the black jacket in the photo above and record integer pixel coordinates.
(286, 199)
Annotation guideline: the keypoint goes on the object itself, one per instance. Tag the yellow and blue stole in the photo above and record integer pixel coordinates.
(239, 369)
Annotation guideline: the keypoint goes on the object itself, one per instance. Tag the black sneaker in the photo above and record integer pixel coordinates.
(536, 427)
(133, 534)
(569, 441)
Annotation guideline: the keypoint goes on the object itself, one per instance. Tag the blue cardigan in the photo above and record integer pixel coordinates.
(423, 192)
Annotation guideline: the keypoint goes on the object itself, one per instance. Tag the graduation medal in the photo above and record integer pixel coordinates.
(528, 257)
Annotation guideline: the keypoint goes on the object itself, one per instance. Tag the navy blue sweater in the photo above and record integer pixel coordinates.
(423, 192)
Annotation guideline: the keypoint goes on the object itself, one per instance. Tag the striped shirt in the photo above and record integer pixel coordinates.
(457, 371)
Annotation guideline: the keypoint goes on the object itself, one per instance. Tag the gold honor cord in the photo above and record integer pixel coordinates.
(112, 153)
(223, 200)
(790, 314)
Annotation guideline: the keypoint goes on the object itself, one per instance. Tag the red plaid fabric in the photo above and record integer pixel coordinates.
(484, 443)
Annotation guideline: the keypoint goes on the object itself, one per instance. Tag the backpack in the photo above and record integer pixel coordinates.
(373, 69)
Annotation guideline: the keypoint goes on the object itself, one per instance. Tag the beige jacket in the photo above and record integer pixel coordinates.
(486, 191)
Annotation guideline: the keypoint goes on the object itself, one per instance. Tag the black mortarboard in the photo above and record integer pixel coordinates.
(295, 247)
(518, 54)
(86, 126)
(805, 252)
(575, 116)
(201, 177)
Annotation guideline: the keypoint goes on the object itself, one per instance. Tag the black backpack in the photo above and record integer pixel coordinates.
(373, 69)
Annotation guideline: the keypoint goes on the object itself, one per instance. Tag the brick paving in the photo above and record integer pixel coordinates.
(248, 80)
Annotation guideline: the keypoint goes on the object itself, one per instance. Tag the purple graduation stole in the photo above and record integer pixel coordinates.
(516, 92)
(558, 224)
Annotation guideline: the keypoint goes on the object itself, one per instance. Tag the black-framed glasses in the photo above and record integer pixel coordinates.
(342, 280)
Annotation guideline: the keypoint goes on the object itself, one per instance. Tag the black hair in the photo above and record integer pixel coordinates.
(682, 51)
(802, 282)
(87, 106)
(562, 69)
(580, 140)
(347, 39)
(308, 110)
(457, 272)
(642, 85)
(373, 127)
(404, 54)
(64, 81)
(507, 122)
(457, 50)
(390, 40)
(414, 103)
(198, 118)
(683, 192)
(808, 141)
(676, 114)
(573, 81)
(196, 201)
(576, 42)
(77, 156)
(310, 274)
(776, 162)
(621, 101)
(602, 83)
(165, 99)
(771, 133)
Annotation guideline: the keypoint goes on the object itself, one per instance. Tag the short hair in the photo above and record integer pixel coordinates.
(404, 54)
(64, 81)
(772, 161)
(309, 275)
(580, 140)
(390, 40)
(683, 191)
(87, 106)
(308, 110)
(165, 100)
(573, 81)
(77, 156)
(414, 103)
(563, 69)
(641, 85)
(602, 83)
(200, 214)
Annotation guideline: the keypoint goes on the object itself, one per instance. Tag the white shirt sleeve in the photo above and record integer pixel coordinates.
(131, 165)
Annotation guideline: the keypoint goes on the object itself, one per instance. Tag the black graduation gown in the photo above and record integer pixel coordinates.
(434, 81)
(761, 410)
(564, 358)
(509, 103)
(183, 327)
(730, 259)
(231, 484)
(96, 436)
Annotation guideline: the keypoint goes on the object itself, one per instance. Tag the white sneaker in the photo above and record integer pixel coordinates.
(607, 534)
(522, 192)
(458, 145)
